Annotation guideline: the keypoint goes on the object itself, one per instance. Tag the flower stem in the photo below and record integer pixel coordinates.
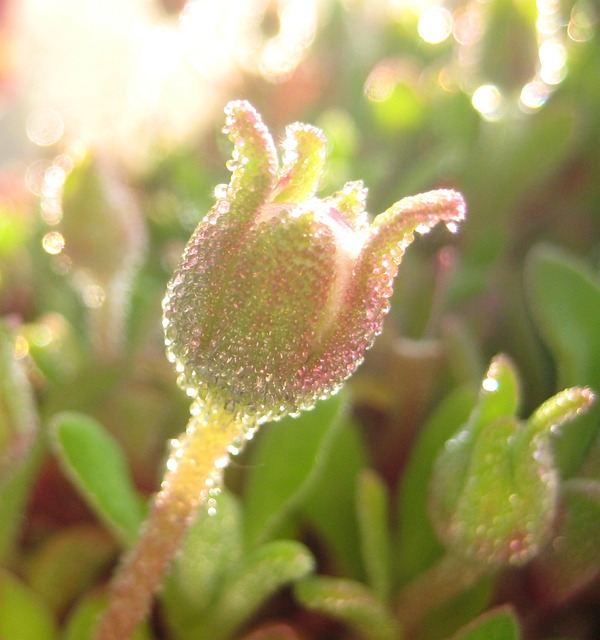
(194, 469)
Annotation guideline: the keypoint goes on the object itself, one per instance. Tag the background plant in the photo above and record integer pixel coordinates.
(334, 524)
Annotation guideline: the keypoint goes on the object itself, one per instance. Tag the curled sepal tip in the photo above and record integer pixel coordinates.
(253, 162)
(393, 230)
(304, 154)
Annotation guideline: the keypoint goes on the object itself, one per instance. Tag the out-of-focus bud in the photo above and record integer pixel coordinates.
(105, 240)
(19, 423)
(279, 293)
(495, 486)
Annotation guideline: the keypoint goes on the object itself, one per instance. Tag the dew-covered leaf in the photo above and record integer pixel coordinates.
(97, 467)
(500, 624)
(288, 459)
(498, 398)
(373, 519)
(350, 602)
(565, 300)
(23, 614)
(507, 504)
(495, 484)
(253, 580)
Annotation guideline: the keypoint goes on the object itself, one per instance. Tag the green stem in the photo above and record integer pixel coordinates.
(442, 582)
(194, 469)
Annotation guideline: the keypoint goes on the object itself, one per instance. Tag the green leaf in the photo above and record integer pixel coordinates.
(508, 503)
(211, 547)
(20, 447)
(255, 579)
(19, 422)
(97, 467)
(351, 603)
(334, 493)
(500, 624)
(23, 615)
(498, 398)
(288, 459)
(565, 300)
(573, 560)
(68, 563)
(496, 482)
(418, 544)
(373, 519)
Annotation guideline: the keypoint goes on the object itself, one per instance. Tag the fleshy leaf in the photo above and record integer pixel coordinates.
(23, 614)
(500, 624)
(304, 154)
(255, 579)
(286, 462)
(495, 486)
(498, 398)
(351, 603)
(97, 467)
(565, 406)
(565, 300)
(373, 519)
(508, 502)
(572, 561)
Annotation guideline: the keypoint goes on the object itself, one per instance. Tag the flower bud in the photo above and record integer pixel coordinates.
(278, 293)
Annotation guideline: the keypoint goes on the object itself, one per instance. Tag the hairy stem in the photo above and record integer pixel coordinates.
(193, 470)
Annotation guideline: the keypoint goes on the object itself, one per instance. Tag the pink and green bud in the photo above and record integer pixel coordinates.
(279, 293)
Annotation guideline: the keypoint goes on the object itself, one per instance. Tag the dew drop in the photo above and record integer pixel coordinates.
(223, 206)
(222, 462)
(53, 242)
(490, 384)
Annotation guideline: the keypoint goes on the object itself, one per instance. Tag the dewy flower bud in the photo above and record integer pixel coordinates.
(277, 297)
(279, 293)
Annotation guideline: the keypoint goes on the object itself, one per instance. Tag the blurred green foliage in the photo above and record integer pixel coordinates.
(396, 509)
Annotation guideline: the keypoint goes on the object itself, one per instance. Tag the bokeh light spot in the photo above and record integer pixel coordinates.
(534, 95)
(53, 242)
(45, 127)
(488, 100)
(435, 25)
